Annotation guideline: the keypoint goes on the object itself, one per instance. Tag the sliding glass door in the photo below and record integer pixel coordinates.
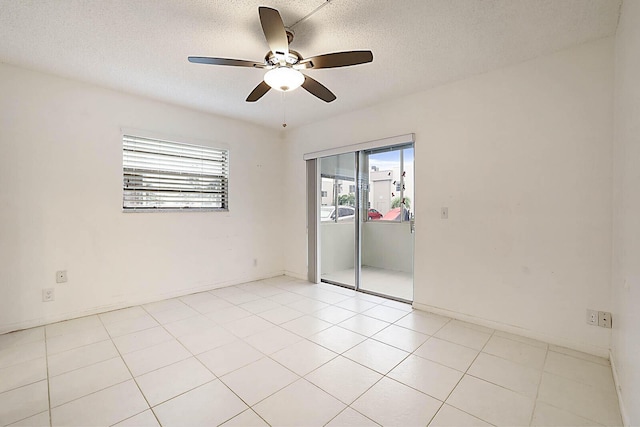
(366, 220)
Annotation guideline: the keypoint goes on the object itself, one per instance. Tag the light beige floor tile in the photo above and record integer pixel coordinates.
(429, 377)
(208, 405)
(228, 314)
(80, 357)
(491, 403)
(258, 380)
(334, 314)
(141, 340)
(303, 357)
(344, 379)
(306, 326)
(206, 340)
(76, 339)
(507, 374)
(21, 337)
(23, 374)
(524, 354)
(580, 355)
(143, 419)
(230, 357)
(40, 420)
(464, 336)
(75, 384)
(546, 415)
(21, 353)
(425, 323)
(376, 355)
(211, 305)
(364, 325)
(190, 325)
(163, 305)
(404, 306)
(390, 403)
(120, 315)
(286, 298)
(247, 418)
(385, 313)
(272, 340)
(129, 326)
(308, 305)
(337, 339)
(351, 418)
(448, 416)
(241, 297)
(248, 326)
(74, 325)
(580, 399)
(105, 407)
(402, 338)
(472, 326)
(298, 404)
(447, 353)
(524, 340)
(151, 358)
(23, 402)
(227, 291)
(165, 383)
(356, 305)
(175, 314)
(198, 298)
(280, 315)
(259, 305)
(583, 371)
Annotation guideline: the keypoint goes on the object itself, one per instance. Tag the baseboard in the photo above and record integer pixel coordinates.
(296, 275)
(130, 303)
(551, 339)
(623, 412)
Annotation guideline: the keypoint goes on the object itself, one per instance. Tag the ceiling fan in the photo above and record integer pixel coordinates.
(284, 64)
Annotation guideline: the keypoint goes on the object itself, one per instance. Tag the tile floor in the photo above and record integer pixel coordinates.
(385, 282)
(285, 352)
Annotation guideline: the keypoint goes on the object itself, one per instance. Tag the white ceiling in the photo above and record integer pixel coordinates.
(141, 46)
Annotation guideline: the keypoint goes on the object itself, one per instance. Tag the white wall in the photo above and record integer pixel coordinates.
(522, 158)
(626, 218)
(337, 246)
(61, 199)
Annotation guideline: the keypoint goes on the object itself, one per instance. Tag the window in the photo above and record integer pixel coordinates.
(165, 175)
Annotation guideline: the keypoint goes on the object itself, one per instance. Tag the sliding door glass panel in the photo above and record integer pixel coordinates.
(338, 219)
(386, 231)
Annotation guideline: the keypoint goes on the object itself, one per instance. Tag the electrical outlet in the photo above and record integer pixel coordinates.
(592, 317)
(444, 213)
(48, 295)
(61, 276)
(604, 319)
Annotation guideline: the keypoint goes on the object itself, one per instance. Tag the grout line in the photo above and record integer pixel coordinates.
(46, 357)
(535, 400)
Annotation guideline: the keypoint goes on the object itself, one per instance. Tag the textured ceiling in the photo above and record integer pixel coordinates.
(141, 46)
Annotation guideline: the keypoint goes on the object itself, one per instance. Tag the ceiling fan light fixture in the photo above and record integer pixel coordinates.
(284, 79)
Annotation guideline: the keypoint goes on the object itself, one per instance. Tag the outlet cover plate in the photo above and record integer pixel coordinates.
(592, 317)
(604, 319)
(48, 295)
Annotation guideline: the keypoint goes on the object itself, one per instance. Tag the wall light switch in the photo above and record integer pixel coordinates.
(444, 213)
(48, 295)
(592, 317)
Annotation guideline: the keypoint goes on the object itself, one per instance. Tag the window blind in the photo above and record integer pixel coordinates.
(169, 175)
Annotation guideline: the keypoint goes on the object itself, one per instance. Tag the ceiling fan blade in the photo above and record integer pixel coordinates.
(258, 92)
(274, 31)
(225, 61)
(338, 59)
(317, 89)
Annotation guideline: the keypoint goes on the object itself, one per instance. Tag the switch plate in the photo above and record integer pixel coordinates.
(604, 319)
(592, 317)
(61, 276)
(444, 213)
(48, 295)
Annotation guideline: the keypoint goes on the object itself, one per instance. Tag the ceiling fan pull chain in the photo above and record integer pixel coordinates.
(284, 111)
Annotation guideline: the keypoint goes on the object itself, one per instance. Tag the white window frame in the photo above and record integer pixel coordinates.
(213, 164)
